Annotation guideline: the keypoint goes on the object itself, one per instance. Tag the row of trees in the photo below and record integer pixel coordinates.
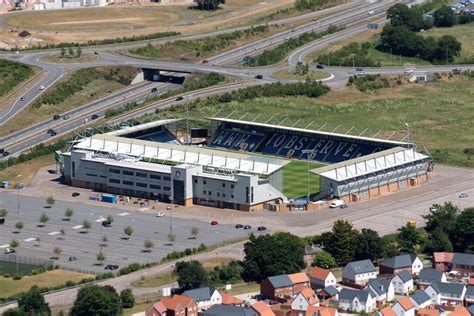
(444, 17)
(70, 52)
(91, 300)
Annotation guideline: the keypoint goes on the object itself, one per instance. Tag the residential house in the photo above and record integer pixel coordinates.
(304, 299)
(357, 300)
(228, 310)
(383, 290)
(177, 305)
(228, 299)
(404, 307)
(204, 297)
(321, 311)
(300, 282)
(427, 312)
(460, 311)
(469, 297)
(442, 261)
(277, 287)
(321, 278)
(448, 294)
(405, 262)
(358, 273)
(471, 309)
(329, 293)
(428, 276)
(421, 299)
(403, 283)
(262, 309)
(386, 311)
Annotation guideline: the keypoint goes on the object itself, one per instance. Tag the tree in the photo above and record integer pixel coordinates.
(408, 238)
(368, 245)
(323, 259)
(194, 232)
(127, 298)
(71, 52)
(110, 219)
(104, 240)
(101, 257)
(171, 238)
(3, 213)
(189, 274)
(98, 301)
(63, 51)
(78, 51)
(86, 225)
(442, 217)
(402, 15)
(341, 243)
(19, 226)
(57, 251)
(33, 303)
(148, 245)
(444, 17)
(209, 4)
(14, 244)
(68, 213)
(63, 232)
(44, 219)
(13, 312)
(438, 240)
(128, 231)
(448, 48)
(50, 201)
(269, 255)
(463, 235)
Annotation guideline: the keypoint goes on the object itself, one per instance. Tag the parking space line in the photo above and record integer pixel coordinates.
(124, 214)
(29, 239)
(4, 246)
(53, 233)
(100, 220)
(77, 227)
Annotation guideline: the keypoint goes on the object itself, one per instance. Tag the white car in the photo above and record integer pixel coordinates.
(41, 87)
(336, 203)
(463, 195)
(409, 71)
(370, 12)
(159, 214)
(9, 250)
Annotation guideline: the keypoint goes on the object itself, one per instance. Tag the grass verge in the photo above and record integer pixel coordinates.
(9, 287)
(12, 74)
(312, 75)
(57, 59)
(27, 170)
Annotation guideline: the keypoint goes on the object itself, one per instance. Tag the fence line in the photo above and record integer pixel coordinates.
(14, 258)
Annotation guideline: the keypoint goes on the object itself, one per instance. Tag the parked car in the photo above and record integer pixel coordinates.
(96, 53)
(154, 89)
(258, 77)
(239, 226)
(261, 228)
(179, 98)
(94, 117)
(56, 117)
(336, 203)
(53, 133)
(106, 223)
(22, 99)
(214, 222)
(247, 58)
(247, 227)
(66, 117)
(74, 194)
(370, 12)
(111, 267)
(205, 61)
(159, 214)
(72, 258)
(9, 250)
(5, 153)
(49, 131)
(320, 66)
(343, 206)
(463, 195)
(41, 87)
(456, 71)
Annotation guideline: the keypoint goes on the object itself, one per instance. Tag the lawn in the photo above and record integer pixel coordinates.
(12, 74)
(57, 59)
(27, 170)
(106, 80)
(295, 177)
(312, 75)
(9, 287)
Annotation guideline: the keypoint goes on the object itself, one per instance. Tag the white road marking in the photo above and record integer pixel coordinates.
(100, 219)
(77, 227)
(53, 233)
(4, 246)
(124, 214)
(29, 239)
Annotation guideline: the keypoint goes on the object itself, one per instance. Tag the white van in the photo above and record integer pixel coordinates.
(336, 203)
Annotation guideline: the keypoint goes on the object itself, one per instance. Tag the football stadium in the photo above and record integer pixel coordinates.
(242, 165)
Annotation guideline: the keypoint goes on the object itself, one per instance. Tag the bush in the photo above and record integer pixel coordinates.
(353, 54)
(17, 277)
(13, 73)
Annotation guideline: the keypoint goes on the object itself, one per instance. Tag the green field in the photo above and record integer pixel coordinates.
(463, 33)
(295, 177)
(12, 74)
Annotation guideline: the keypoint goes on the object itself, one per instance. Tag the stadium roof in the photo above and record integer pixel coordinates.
(361, 166)
(148, 150)
(136, 128)
(309, 131)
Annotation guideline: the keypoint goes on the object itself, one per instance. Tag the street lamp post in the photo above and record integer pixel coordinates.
(18, 194)
(308, 152)
(171, 213)
(408, 134)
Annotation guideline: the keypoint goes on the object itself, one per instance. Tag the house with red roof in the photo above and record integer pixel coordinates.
(427, 312)
(177, 305)
(304, 299)
(442, 261)
(228, 299)
(262, 309)
(321, 278)
(300, 282)
(404, 307)
(387, 311)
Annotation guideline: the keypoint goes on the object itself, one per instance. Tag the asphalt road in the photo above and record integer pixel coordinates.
(85, 245)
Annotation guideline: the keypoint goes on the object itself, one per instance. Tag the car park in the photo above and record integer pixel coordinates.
(74, 194)
(214, 222)
(72, 258)
(247, 227)
(463, 195)
(159, 214)
(239, 226)
(261, 228)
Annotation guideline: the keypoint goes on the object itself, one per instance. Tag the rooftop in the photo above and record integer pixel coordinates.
(406, 303)
(145, 126)
(282, 280)
(369, 164)
(147, 150)
(401, 261)
(405, 276)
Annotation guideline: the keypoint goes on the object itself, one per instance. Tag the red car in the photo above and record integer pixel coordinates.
(214, 222)
(205, 61)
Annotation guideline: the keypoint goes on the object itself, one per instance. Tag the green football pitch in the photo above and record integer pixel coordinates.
(295, 176)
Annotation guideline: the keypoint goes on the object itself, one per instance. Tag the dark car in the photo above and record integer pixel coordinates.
(5, 153)
(74, 194)
(320, 66)
(214, 222)
(247, 58)
(456, 71)
(56, 117)
(111, 267)
(154, 90)
(343, 206)
(247, 227)
(22, 99)
(49, 131)
(53, 133)
(261, 228)
(106, 223)
(179, 98)
(72, 258)
(96, 53)
(239, 226)
(205, 61)
(94, 117)
(258, 77)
